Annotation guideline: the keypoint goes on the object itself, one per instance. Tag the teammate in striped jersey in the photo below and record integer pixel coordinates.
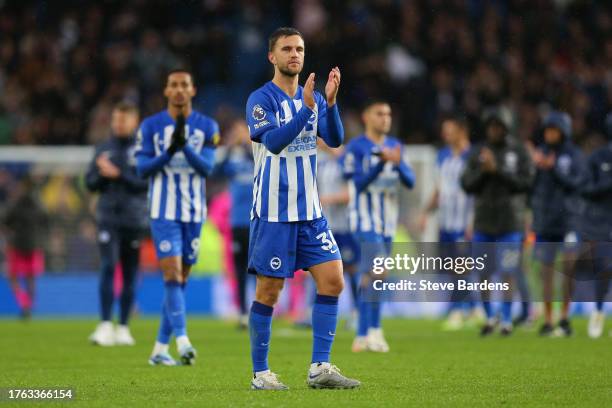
(455, 207)
(175, 150)
(334, 199)
(288, 229)
(374, 165)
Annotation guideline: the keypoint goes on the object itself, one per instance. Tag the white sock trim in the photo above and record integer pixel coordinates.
(182, 341)
(320, 365)
(159, 348)
(258, 373)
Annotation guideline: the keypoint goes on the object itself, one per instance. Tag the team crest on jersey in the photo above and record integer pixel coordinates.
(258, 112)
(313, 118)
(275, 263)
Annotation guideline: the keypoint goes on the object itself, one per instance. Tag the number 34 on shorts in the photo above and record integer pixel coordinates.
(278, 249)
(329, 243)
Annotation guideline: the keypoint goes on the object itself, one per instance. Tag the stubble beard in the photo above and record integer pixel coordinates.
(289, 72)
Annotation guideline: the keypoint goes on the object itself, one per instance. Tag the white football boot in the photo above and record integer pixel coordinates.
(123, 337)
(104, 335)
(267, 381)
(360, 344)
(326, 375)
(376, 341)
(596, 324)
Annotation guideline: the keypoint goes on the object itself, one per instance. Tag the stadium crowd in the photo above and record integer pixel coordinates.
(64, 64)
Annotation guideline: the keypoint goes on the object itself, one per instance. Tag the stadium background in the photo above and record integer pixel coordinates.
(64, 64)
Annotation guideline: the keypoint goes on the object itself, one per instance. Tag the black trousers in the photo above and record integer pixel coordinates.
(118, 244)
(240, 250)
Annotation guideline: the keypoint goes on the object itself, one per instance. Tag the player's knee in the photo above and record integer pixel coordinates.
(268, 290)
(172, 269)
(171, 274)
(269, 298)
(332, 286)
(337, 285)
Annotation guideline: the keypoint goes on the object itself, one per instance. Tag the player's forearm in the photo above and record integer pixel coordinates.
(341, 197)
(519, 183)
(406, 174)
(333, 132)
(225, 166)
(132, 180)
(147, 166)
(277, 139)
(433, 201)
(363, 180)
(472, 179)
(572, 180)
(93, 180)
(202, 163)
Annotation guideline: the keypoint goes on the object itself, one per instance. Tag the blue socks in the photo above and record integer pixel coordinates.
(488, 308)
(165, 328)
(506, 312)
(324, 319)
(354, 282)
(260, 326)
(174, 302)
(369, 313)
(374, 321)
(364, 317)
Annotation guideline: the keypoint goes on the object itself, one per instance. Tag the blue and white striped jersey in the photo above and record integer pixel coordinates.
(374, 186)
(455, 207)
(331, 181)
(177, 192)
(285, 184)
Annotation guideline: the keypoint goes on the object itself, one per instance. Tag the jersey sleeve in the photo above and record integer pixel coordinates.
(348, 161)
(213, 135)
(329, 126)
(405, 170)
(144, 140)
(260, 115)
(146, 162)
(353, 168)
(322, 109)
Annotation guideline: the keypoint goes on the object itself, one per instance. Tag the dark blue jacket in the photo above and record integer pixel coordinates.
(597, 190)
(122, 202)
(555, 197)
(499, 198)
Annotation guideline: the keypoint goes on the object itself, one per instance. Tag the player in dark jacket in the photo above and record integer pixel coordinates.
(597, 223)
(121, 215)
(498, 174)
(556, 205)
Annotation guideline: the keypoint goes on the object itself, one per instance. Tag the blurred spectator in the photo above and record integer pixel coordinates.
(62, 66)
(26, 225)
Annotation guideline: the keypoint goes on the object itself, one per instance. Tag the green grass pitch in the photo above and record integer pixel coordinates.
(426, 367)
